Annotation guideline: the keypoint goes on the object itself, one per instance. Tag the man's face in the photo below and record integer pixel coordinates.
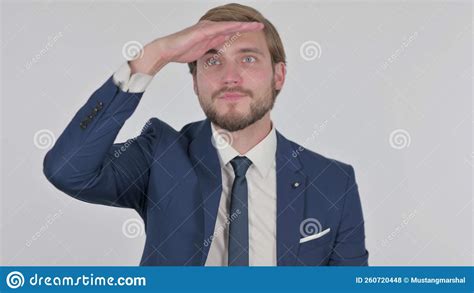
(236, 82)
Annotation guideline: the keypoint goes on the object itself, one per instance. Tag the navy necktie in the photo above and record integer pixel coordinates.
(238, 250)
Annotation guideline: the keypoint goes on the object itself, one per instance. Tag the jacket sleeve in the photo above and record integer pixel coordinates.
(87, 165)
(349, 249)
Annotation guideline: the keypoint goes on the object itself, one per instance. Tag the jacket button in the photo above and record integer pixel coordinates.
(91, 116)
(296, 184)
(83, 125)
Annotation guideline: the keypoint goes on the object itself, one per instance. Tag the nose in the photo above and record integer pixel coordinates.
(231, 75)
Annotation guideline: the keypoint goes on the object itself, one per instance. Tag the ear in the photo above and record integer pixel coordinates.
(279, 75)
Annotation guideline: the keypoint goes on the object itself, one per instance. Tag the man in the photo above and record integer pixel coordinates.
(228, 190)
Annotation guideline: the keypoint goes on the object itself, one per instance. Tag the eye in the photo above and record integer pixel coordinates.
(212, 61)
(249, 59)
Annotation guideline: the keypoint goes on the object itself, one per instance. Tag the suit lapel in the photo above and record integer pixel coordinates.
(291, 184)
(206, 163)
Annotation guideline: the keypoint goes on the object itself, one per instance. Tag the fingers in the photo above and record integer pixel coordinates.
(246, 27)
(230, 27)
(217, 41)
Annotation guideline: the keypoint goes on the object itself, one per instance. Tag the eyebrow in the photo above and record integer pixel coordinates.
(243, 50)
(251, 50)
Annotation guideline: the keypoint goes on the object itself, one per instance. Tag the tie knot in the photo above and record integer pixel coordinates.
(240, 165)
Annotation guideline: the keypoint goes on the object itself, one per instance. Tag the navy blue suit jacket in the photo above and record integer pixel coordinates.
(173, 180)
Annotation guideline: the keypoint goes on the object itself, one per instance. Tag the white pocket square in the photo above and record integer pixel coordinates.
(315, 236)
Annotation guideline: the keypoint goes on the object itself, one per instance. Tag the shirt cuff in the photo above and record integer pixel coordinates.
(137, 83)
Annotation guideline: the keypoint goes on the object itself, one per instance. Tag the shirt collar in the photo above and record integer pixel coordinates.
(262, 155)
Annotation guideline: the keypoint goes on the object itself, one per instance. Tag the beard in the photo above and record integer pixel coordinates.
(233, 120)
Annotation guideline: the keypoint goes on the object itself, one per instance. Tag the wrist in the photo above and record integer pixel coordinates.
(151, 61)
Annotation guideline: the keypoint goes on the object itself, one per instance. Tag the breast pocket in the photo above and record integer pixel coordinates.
(316, 252)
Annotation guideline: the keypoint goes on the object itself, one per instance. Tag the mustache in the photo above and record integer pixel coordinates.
(237, 89)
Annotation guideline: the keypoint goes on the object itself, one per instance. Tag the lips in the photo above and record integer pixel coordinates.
(232, 96)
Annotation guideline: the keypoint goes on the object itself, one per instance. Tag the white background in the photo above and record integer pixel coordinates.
(383, 66)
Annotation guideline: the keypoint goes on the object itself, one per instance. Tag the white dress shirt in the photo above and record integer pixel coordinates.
(261, 182)
(137, 83)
